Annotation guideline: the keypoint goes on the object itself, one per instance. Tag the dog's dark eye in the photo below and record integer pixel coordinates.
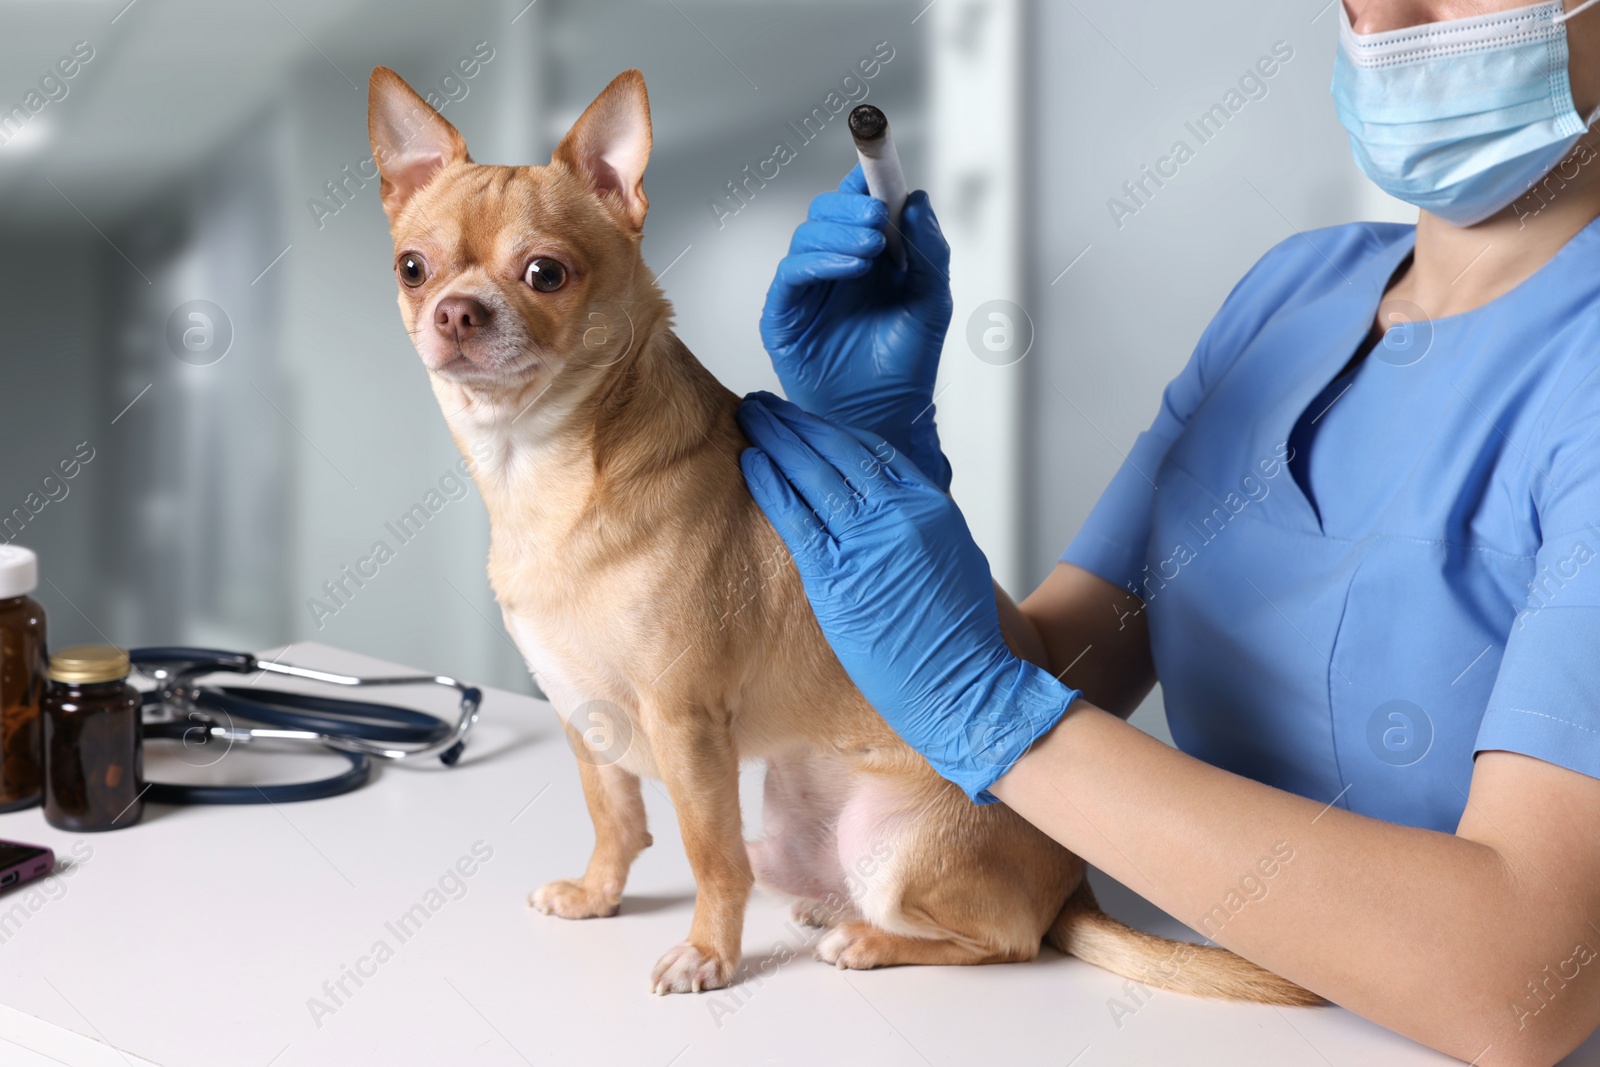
(546, 275)
(413, 270)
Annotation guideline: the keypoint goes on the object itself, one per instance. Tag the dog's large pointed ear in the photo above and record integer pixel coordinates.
(609, 146)
(411, 142)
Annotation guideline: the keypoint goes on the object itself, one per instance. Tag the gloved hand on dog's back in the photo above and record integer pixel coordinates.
(902, 591)
(852, 338)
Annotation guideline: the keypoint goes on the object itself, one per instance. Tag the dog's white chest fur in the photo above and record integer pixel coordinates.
(610, 732)
(558, 682)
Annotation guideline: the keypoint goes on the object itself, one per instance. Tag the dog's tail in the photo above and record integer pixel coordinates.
(1083, 930)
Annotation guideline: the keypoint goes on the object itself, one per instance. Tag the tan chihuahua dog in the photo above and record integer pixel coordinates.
(650, 595)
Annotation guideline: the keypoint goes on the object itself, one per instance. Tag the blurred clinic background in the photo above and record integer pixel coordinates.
(199, 310)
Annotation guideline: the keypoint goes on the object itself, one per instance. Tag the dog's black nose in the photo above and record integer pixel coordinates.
(460, 316)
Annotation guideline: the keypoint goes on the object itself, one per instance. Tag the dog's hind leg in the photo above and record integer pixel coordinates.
(858, 946)
(620, 834)
(946, 882)
(941, 881)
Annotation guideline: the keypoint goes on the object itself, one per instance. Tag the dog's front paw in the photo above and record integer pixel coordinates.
(571, 899)
(687, 968)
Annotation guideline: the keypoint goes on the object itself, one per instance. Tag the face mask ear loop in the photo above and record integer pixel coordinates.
(1562, 19)
(1580, 9)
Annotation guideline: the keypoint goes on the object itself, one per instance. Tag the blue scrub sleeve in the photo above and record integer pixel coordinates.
(1112, 541)
(1546, 698)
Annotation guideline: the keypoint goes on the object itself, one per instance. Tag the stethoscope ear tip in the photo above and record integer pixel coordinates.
(450, 756)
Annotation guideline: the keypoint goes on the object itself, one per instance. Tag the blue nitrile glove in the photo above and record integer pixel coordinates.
(853, 338)
(902, 592)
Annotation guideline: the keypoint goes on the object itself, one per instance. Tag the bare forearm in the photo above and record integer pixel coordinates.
(1430, 934)
(1088, 633)
(1019, 630)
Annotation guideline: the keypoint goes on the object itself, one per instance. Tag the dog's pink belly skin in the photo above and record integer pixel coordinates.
(832, 833)
(798, 853)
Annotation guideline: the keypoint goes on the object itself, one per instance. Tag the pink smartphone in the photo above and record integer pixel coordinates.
(23, 863)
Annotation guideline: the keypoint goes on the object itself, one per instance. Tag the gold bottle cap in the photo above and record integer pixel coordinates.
(87, 664)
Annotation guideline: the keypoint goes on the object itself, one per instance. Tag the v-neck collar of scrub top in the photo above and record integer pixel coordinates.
(1345, 315)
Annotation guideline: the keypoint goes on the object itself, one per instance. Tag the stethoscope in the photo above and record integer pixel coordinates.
(180, 709)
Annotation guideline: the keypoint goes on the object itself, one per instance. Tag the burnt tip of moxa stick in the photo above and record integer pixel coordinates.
(868, 123)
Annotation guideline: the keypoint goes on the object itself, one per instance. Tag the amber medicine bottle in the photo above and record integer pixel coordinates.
(93, 745)
(22, 679)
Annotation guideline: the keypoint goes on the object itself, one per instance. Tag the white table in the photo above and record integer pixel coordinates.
(197, 939)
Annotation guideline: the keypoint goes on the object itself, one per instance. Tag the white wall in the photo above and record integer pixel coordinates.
(50, 395)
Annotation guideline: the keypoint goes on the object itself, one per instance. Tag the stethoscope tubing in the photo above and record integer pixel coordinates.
(358, 730)
(356, 776)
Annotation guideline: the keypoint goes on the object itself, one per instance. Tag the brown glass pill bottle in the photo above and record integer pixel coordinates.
(22, 679)
(93, 745)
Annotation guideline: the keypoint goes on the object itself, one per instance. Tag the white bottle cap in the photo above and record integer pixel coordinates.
(19, 571)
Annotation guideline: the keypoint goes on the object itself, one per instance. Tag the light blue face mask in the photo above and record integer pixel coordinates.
(1464, 116)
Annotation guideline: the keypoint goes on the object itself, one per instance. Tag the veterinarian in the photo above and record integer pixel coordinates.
(1387, 668)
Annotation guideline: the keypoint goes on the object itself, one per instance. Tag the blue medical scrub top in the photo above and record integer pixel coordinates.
(1432, 590)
